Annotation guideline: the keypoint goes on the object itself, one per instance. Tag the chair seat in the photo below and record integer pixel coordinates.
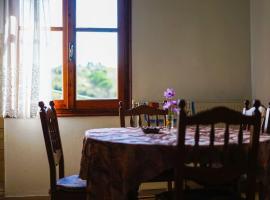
(71, 183)
(200, 194)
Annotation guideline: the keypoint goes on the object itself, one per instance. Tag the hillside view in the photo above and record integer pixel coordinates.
(94, 81)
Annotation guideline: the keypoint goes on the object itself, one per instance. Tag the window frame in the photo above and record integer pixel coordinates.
(69, 106)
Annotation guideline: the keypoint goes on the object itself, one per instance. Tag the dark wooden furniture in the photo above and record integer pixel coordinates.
(141, 112)
(64, 188)
(267, 121)
(219, 168)
(122, 158)
(256, 104)
(137, 116)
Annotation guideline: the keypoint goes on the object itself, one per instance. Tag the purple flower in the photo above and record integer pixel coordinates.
(167, 105)
(174, 102)
(169, 93)
(176, 110)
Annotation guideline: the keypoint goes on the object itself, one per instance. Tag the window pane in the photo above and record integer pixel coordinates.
(56, 61)
(96, 65)
(56, 13)
(96, 14)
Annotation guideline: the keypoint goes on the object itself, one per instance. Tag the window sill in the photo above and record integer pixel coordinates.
(86, 112)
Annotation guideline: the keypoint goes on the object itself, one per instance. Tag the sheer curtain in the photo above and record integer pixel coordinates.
(25, 57)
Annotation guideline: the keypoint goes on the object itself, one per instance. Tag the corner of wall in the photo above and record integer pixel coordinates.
(2, 171)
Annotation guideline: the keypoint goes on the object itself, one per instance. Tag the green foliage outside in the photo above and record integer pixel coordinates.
(94, 81)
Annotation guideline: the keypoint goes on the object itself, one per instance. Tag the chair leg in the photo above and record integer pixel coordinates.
(133, 194)
(52, 197)
(260, 191)
(169, 185)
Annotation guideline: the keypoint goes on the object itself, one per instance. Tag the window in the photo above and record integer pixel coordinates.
(90, 58)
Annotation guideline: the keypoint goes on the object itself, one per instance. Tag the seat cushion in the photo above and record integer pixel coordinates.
(71, 183)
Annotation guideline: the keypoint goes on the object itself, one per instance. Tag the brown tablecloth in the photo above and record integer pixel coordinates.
(116, 160)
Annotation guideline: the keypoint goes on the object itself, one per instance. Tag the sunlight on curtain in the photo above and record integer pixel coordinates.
(25, 70)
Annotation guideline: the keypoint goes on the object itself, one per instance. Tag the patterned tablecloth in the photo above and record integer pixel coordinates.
(116, 160)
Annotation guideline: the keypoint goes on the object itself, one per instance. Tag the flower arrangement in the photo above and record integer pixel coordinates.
(170, 105)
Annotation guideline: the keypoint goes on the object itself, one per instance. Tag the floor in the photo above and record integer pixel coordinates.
(144, 195)
(149, 194)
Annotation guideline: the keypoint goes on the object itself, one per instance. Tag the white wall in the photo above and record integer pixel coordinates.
(260, 41)
(27, 170)
(200, 48)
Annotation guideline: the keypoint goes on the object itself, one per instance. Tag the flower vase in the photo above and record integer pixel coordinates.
(169, 121)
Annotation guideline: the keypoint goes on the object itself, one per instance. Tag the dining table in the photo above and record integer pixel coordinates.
(116, 160)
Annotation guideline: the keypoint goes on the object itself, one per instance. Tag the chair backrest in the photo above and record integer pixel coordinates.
(140, 113)
(267, 120)
(52, 140)
(217, 162)
(250, 111)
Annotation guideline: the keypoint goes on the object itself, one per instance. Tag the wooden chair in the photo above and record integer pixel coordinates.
(217, 171)
(141, 112)
(64, 188)
(266, 127)
(250, 111)
(137, 116)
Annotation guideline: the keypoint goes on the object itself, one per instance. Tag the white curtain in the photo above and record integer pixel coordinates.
(24, 71)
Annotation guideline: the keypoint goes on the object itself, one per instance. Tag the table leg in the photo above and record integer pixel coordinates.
(169, 185)
(261, 191)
